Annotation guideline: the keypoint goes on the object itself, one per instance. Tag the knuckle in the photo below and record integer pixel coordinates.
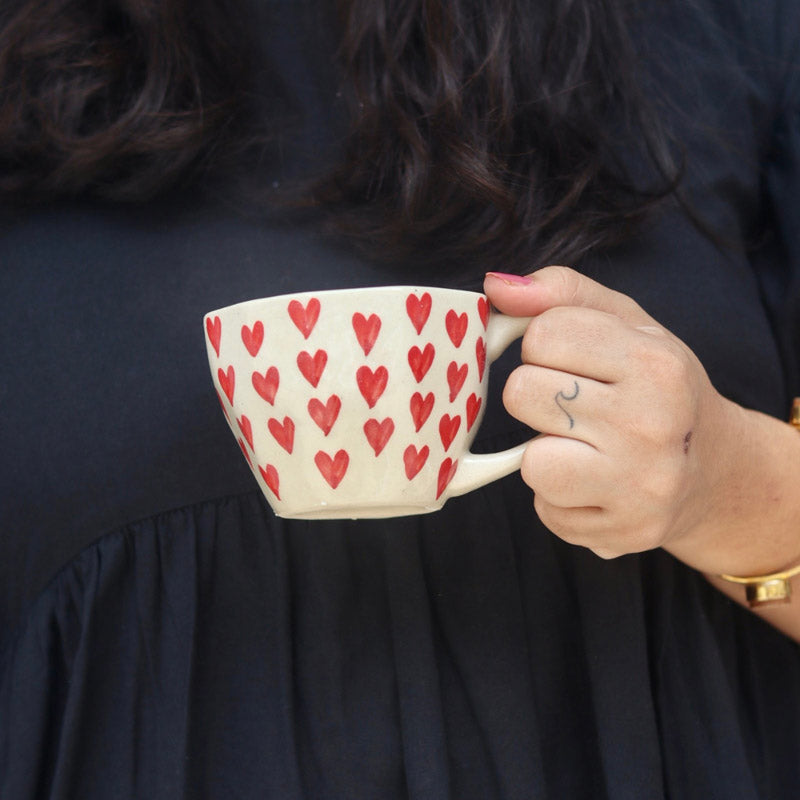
(539, 333)
(515, 391)
(664, 362)
(569, 283)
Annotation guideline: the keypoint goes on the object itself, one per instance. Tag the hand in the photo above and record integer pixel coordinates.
(630, 425)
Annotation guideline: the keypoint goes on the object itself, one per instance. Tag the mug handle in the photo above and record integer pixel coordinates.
(478, 469)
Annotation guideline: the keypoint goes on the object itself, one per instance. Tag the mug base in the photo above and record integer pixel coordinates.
(357, 512)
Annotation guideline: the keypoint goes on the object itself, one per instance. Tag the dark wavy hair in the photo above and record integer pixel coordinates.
(117, 98)
(480, 129)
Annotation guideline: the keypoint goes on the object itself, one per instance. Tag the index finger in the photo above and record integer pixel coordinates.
(550, 287)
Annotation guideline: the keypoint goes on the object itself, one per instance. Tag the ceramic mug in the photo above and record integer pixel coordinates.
(358, 403)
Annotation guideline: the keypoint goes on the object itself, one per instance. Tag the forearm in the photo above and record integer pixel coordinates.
(753, 522)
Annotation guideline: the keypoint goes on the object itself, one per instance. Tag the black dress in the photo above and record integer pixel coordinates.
(164, 635)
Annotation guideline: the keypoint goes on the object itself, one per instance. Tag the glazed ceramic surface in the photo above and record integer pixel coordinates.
(360, 402)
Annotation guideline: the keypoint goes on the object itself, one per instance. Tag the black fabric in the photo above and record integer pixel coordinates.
(165, 636)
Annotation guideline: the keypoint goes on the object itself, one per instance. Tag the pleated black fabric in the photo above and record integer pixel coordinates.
(164, 635)
(214, 652)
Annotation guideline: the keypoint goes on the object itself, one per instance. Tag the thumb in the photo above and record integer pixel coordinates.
(527, 296)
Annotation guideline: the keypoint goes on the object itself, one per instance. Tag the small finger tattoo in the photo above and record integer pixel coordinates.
(687, 440)
(561, 397)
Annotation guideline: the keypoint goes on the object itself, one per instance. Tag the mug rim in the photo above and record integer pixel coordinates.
(282, 298)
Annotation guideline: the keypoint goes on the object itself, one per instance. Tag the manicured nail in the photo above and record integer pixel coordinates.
(511, 280)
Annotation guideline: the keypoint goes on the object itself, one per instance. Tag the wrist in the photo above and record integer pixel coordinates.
(750, 523)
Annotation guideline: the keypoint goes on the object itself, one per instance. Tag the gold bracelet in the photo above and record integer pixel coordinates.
(762, 589)
(773, 588)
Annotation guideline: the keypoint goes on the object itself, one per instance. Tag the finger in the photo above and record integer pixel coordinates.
(581, 341)
(568, 473)
(551, 287)
(550, 401)
(584, 527)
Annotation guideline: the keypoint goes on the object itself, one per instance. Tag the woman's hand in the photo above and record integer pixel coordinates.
(633, 445)
(637, 450)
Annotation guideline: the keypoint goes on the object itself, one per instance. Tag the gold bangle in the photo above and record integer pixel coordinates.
(762, 589)
(794, 417)
(773, 588)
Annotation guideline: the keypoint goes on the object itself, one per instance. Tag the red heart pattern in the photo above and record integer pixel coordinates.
(418, 310)
(378, 433)
(473, 409)
(483, 311)
(372, 384)
(367, 330)
(456, 375)
(227, 382)
(456, 325)
(421, 409)
(283, 433)
(420, 360)
(214, 332)
(271, 478)
(312, 367)
(480, 356)
(305, 317)
(447, 470)
(448, 428)
(247, 429)
(332, 469)
(325, 415)
(253, 337)
(414, 460)
(267, 384)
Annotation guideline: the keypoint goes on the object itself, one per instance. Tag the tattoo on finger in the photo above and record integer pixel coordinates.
(562, 398)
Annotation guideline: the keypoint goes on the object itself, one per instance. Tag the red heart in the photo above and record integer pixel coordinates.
(312, 366)
(271, 478)
(446, 472)
(448, 428)
(473, 408)
(267, 384)
(325, 415)
(305, 318)
(420, 360)
(366, 330)
(253, 338)
(283, 434)
(418, 310)
(214, 331)
(456, 325)
(480, 354)
(378, 433)
(421, 409)
(455, 378)
(332, 469)
(483, 310)
(247, 429)
(227, 381)
(372, 384)
(246, 454)
(414, 460)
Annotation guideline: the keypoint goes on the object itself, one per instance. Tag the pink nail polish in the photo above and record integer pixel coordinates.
(511, 280)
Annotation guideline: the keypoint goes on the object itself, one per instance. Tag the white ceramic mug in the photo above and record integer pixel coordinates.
(358, 403)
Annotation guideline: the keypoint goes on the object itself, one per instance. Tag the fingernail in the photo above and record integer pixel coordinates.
(511, 280)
